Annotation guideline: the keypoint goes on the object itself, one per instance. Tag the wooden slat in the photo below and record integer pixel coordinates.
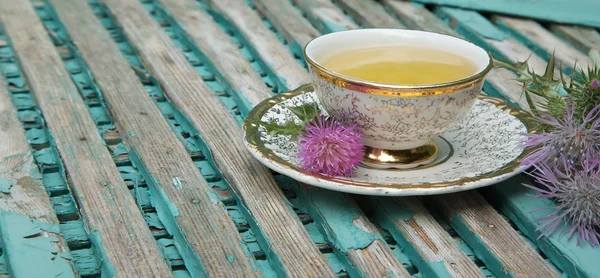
(582, 38)
(494, 241)
(325, 16)
(262, 40)
(364, 259)
(410, 222)
(217, 46)
(25, 196)
(118, 229)
(417, 17)
(351, 233)
(279, 13)
(369, 14)
(543, 41)
(287, 238)
(201, 225)
(516, 202)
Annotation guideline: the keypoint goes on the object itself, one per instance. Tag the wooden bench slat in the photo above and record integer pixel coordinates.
(415, 16)
(409, 221)
(198, 31)
(25, 199)
(582, 38)
(279, 13)
(262, 40)
(287, 239)
(543, 41)
(218, 47)
(369, 14)
(325, 16)
(492, 238)
(515, 201)
(201, 227)
(103, 197)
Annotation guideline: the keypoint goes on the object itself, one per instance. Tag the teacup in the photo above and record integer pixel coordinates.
(398, 122)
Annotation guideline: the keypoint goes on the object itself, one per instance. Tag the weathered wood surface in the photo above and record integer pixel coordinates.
(582, 38)
(514, 200)
(287, 238)
(201, 227)
(369, 14)
(108, 209)
(424, 238)
(415, 16)
(495, 242)
(199, 26)
(365, 259)
(280, 14)
(324, 15)
(543, 40)
(24, 193)
(262, 40)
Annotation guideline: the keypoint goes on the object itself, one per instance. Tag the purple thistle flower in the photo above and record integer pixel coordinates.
(577, 194)
(595, 83)
(569, 138)
(329, 148)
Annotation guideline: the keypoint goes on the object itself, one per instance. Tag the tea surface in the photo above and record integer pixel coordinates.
(400, 65)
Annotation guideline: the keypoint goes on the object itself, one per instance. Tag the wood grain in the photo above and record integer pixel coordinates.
(181, 11)
(287, 238)
(199, 26)
(545, 40)
(369, 13)
(285, 18)
(495, 242)
(262, 40)
(103, 198)
(581, 38)
(202, 226)
(413, 226)
(27, 195)
(325, 16)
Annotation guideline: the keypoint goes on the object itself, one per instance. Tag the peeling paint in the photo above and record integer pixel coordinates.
(5, 185)
(24, 248)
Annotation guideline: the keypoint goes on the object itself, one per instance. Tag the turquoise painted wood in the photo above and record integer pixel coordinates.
(329, 218)
(582, 12)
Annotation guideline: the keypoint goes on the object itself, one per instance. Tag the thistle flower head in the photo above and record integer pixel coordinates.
(577, 195)
(595, 83)
(569, 138)
(329, 148)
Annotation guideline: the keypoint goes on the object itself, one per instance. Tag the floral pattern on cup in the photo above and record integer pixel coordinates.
(396, 122)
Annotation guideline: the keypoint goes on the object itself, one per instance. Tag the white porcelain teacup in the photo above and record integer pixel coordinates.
(398, 122)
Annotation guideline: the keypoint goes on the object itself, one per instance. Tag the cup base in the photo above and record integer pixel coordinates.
(401, 159)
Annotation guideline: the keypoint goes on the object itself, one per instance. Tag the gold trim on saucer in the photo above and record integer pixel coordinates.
(254, 141)
(390, 90)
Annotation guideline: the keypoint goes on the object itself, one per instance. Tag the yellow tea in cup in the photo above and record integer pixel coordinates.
(400, 65)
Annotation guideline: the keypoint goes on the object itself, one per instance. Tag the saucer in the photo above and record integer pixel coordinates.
(483, 148)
